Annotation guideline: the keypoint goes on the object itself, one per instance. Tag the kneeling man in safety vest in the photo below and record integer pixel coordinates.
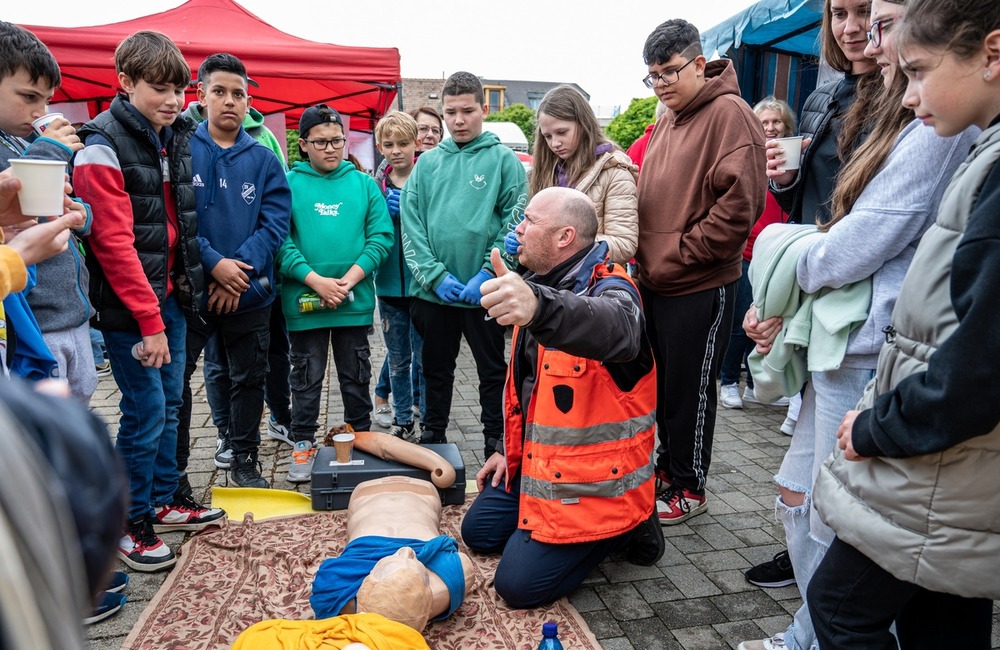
(573, 481)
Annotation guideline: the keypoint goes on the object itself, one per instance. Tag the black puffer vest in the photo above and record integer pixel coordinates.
(139, 155)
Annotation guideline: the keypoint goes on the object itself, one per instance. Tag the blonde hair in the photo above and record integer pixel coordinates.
(396, 125)
(784, 111)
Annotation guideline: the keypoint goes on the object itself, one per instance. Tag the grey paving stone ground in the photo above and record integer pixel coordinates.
(695, 598)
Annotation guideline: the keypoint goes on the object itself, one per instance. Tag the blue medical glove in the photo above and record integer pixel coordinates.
(450, 289)
(472, 294)
(510, 243)
(392, 200)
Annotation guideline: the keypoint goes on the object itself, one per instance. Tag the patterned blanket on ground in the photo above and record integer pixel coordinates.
(227, 580)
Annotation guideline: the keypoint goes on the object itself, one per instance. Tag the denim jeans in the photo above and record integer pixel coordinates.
(854, 601)
(352, 356)
(740, 345)
(245, 338)
(150, 402)
(277, 394)
(828, 396)
(530, 574)
(97, 345)
(402, 362)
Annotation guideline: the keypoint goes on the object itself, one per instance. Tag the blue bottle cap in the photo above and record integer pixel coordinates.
(550, 629)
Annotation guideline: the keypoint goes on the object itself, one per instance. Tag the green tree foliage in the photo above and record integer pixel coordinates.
(293, 146)
(629, 125)
(520, 115)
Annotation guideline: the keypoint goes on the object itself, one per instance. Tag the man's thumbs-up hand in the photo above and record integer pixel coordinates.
(507, 297)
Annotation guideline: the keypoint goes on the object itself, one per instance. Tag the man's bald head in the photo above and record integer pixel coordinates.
(558, 223)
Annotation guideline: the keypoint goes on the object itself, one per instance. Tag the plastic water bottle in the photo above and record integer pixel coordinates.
(550, 637)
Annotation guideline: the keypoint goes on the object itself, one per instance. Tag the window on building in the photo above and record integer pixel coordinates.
(494, 97)
(534, 99)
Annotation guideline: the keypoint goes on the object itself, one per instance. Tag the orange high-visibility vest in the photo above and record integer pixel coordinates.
(586, 452)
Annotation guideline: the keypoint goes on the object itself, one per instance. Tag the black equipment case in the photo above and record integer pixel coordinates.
(333, 483)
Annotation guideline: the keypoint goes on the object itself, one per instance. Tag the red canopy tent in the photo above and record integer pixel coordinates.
(293, 73)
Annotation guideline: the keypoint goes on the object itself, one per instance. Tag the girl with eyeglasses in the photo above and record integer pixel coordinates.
(885, 198)
(571, 150)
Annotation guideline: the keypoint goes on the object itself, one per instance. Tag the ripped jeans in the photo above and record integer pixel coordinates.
(827, 397)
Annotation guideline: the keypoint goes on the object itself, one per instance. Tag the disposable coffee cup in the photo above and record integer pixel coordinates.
(791, 151)
(43, 184)
(343, 443)
(42, 123)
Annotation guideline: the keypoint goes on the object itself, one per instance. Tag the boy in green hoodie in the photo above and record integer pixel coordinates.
(340, 233)
(458, 204)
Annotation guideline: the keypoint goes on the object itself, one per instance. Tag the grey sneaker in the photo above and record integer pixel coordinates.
(383, 415)
(245, 472)
(278, 431)
(223, 453)
(301, 468)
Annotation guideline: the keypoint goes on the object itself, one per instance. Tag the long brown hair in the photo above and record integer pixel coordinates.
(831, 51)
(565, 103)
(889, 116)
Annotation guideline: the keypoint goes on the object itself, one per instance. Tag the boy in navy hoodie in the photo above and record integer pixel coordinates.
(243, 205)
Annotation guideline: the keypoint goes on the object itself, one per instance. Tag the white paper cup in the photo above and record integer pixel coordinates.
(791, 151)
(343, 444)
(42, 186)
(42, 123)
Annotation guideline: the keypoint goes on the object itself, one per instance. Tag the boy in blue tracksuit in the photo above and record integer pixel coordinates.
(243, 205)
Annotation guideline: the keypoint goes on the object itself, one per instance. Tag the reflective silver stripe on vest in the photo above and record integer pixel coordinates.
(549, 491)
(579, 436)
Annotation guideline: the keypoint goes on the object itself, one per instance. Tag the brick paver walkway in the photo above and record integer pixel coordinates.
(695, 598)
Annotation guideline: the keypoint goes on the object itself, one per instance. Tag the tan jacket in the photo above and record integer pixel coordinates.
(611, 185)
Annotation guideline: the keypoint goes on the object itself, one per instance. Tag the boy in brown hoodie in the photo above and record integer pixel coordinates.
(702, 186)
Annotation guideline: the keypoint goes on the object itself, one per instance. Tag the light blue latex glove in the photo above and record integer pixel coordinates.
(472, 294)
(450, 289)
(392, 200)
(510, 243)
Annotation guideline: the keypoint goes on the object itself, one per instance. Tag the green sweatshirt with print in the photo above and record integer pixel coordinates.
(457, 205)
(338, 219)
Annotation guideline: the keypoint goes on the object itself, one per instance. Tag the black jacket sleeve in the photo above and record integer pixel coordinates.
(956, 398)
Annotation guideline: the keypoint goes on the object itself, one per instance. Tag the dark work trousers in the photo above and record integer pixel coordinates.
(442, 327)
(689, 335)
(276, 392)
(530, 574)
(853, 601)
(352, 357)
(244, 335)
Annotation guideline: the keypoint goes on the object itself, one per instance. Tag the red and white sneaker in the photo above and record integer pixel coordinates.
(677, 505)
(186, 514)
(142, 549)
(663, 481)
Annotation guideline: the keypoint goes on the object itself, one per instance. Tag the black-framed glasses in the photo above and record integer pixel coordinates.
(879, 27)
(423, 129)
(321, 145)
(668, 78)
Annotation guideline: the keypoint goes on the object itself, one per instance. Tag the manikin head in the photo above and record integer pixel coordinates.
(399, 589)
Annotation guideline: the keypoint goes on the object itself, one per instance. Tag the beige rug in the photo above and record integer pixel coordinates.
(226, 580)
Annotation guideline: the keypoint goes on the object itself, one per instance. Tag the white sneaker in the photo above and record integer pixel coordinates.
(750, 396)
(301, 468)
(776, 642)
(788, 426)
(729, 395)
(383, 415)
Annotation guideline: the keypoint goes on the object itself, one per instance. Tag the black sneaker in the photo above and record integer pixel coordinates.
(647, 545)
(429, 437)
(401, 431)
(245, 471)
(776, 573)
